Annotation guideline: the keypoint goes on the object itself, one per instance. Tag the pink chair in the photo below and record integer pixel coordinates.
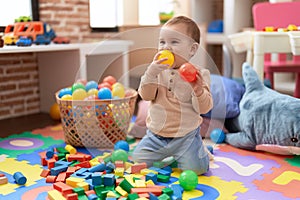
(278, 15)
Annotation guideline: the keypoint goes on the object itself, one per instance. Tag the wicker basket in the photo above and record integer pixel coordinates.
(96, 123)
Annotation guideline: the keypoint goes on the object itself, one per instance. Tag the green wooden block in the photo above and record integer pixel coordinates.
(62, 150)
(125, 185)
(163, 178)
(82, 197)
(167, 191)
(98, 189)
(164, 197)
(79, 191)
(158, 164)
(133, 196)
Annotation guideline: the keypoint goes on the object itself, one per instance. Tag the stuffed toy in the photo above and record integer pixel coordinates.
(268, 120)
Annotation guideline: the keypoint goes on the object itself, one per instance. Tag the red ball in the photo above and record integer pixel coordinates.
(188, 72)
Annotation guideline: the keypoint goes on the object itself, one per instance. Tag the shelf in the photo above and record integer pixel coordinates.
(215, 38)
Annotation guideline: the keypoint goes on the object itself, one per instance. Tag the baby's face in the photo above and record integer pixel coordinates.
(175, 38)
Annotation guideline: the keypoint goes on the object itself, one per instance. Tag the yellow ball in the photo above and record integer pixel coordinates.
(92, 92)
(118, 92)
(117, 84)
(79, 94)
(167, 54)
(67, 97)
(54, 112)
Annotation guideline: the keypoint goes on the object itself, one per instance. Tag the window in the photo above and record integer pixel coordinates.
(107, 15)
(13, 9)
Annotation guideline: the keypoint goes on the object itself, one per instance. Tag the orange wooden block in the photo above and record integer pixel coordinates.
(155, 191)
(84, 164)
(63, 188)
(61, 177)
(72, 196)
(51, 163)
(3, 180)
(89, 192)
(45, 173)
(119, 164)
(146, 195)
(136, 168)
(50, 179)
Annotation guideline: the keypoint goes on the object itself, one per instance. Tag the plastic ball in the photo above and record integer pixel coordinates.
(167, 54)
(104, 93)
(188, 72)
(93, 92)
(117, 84)
(77, 86)
(188, 180)
(54, 112)
(118, 92)
(122, 144)
(91, 85)
(64, 91)
(104, 84)
(120, 155)
(67, 97)
(79, 94)
(217, 135)
(109, 79)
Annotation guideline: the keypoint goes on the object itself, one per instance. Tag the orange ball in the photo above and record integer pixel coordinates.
(54, 112)
(109, 79)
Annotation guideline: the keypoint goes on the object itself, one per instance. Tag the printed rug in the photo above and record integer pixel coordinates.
(233, 174)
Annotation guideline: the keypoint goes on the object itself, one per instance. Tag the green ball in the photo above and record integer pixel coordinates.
(119, 154)
(76, 86)
(188, 179)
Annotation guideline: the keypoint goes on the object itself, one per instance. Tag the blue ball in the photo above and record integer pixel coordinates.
(65, 91)
(122, 144)
(91, 85)
(104, 93)
(217, 135)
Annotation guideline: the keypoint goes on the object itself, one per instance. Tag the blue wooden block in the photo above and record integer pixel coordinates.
(152, 196)
(58, 169)
(96, 179)
(151, 176)
(109, 179)
(98, 168)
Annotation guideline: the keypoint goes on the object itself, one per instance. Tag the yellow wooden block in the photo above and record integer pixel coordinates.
(94, 162)
(119, 172)
(128, 165)
(83, 185)
(149, 182)
(70, 149)
(147, 171)
(111, 194)
(140, 183)
(142, 198)
(121, 191)
(73, 181)
(55, 195)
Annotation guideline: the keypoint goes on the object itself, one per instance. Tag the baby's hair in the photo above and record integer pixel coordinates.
(192, 28)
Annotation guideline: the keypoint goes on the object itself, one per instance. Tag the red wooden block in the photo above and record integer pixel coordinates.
(61, 177)
(73, 196)
(84, 164)
(50, 179)
(45, 173)
(136, 168)
(155, 191)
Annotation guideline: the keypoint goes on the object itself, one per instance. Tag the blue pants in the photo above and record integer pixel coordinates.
(188, 151)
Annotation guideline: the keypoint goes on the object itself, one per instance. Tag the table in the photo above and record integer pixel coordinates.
(59, 65)
(257, 43)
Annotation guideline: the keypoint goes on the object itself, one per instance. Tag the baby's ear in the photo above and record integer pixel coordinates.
(194, 49)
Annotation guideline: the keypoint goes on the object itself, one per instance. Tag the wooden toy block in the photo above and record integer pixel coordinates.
(51, 163)
(136, 168)
(70, 149)
(152, 176)
(45, 173)
(164, 197)
(79, 190)
(109, 179)
(164, 172)
(111, 194)
(167, 191)
(61, 177)
(94, 163)
(147, 171)
(63, 188)
(126, 184)
(20, 178)
(50, 179)
(121, 191)
(72, 196)
(61, 150)
(140, 183)
(119, 164)
(84, 164)
(111, 198)
(152, 196)
(98, 168)
(133, 196)
(50, 153)
(142, 198)
(128, 165)
(43, 161)
(83, 185)
(177, 192)
(154, 190)
(119, 171)
(55, 195)
(145, 195)
(96, 179)
(163, 178)
(3, 180)
(78, 157)
(92, 197)
(54, 171)
(72, 181)
(70, 171)
(118, 180)
(88, 192)
(149, 183)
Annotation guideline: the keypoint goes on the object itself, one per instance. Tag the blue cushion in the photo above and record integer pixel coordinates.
(226, 94)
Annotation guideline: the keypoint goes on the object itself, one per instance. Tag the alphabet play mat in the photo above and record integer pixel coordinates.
(233, 174)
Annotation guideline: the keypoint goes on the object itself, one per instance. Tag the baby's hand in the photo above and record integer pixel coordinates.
(156, 66)
(197, 85)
